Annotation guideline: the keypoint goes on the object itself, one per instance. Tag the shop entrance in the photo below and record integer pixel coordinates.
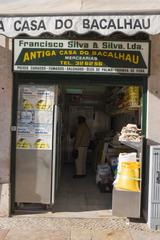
(51, 173)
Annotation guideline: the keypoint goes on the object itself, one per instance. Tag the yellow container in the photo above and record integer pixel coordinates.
(128, 177)
(133, 96)
(133, 90)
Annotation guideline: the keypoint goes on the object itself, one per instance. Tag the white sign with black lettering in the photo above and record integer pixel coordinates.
(104, 24)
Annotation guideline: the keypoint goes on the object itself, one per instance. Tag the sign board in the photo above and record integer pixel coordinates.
(83, 56)
(103, 24)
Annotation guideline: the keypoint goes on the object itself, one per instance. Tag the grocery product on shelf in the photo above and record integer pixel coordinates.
(114, 164)
(124, 99)
(115, 139)
(130, 133)
(133, 96)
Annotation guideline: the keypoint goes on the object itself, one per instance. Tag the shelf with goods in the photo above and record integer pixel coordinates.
(123, 100)
(125, 110)
(133, 144)
(118, 146)
(126, 106)
(116, 92)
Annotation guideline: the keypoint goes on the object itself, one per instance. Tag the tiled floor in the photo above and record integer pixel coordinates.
(81, 196)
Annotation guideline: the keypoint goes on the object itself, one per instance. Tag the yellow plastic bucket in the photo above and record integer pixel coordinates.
(133, 96)
(128, 176)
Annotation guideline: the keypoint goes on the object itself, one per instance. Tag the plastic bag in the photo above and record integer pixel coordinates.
(104, 178)
(127, 157)
(104, 173)
(128, 176)
(114, 164)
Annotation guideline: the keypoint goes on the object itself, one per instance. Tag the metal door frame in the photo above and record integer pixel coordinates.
(54, 154)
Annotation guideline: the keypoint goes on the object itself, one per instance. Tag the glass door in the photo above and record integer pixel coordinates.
(34, 144)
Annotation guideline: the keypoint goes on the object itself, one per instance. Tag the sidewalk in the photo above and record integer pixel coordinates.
(48, 228)
(76, 234)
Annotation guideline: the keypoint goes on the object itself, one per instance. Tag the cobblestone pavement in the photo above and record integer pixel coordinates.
(46, 227)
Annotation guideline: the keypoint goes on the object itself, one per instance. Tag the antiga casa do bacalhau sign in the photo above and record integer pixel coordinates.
(84, 56)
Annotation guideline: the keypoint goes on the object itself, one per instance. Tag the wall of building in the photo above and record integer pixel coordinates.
(153, 115)
(5, 121)
(153, 108)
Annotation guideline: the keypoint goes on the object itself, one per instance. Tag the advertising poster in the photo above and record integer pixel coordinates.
(34, 117)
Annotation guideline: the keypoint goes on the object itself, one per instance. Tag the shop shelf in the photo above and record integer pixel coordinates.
(125, 110)
(133, 144)
(126, 203)
(116, 92)
(122, 199)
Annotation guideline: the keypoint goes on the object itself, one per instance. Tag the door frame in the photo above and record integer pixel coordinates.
(75, 79)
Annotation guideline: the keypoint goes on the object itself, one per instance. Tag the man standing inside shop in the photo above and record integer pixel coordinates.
(81, 145)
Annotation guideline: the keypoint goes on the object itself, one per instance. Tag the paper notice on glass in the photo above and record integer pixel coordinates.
(43, 117)
(34, 142)
(35, 117)
(24, 130)
(26, 117)
(36, 98)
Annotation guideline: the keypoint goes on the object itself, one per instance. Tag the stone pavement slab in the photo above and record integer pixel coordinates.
(141, 235)
(36, 234)
(111, 235)
(79, 234)
(3, 234)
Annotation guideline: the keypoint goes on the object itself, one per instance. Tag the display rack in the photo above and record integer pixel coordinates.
(128, 203)
(116, 93)
(115, 109)
(133, 144)
(125, 110)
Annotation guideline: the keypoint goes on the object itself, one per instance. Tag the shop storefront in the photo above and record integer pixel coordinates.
(102, 66)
